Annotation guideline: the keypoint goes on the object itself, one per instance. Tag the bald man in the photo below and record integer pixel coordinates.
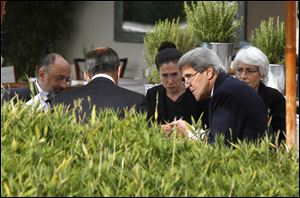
(53, 77)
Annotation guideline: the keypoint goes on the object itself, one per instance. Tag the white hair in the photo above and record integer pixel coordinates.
(201, 58)
(253, 56)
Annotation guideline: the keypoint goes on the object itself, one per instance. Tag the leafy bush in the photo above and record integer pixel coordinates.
(50, 154)
(270, 38)
(31, 30)
(213, 21)
(166, 31)
(153, 77)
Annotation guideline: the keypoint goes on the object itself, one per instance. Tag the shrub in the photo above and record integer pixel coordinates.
(270, 38)
(166, 31)
(50, 154)
(213, 21)
(31, 30)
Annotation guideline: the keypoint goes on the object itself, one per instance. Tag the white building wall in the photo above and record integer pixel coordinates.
(93, 25)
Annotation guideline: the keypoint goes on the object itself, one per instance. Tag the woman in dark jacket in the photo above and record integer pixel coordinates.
(251, 66)
(171, 100)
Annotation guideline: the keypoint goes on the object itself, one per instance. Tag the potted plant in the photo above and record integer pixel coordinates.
(214, 24)
(269, 37)
(165, 31)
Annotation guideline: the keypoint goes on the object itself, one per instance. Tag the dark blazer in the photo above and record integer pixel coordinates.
(236, 110)
(103, 93)
(23, 93)
(186, 106)
(276, 109)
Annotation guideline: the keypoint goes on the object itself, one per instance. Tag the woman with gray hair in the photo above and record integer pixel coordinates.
(235, 109)
(251, 65)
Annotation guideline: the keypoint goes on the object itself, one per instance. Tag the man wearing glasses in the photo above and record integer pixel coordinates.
(235, 109)
(53, 77)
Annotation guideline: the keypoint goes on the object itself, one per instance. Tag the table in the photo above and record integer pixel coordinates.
(133, 84)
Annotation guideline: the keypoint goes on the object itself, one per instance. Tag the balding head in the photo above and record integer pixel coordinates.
(54, 73)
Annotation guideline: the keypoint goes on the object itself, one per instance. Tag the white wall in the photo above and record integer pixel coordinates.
(93, 25)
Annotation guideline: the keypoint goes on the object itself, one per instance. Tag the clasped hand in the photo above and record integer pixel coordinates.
(179, 126)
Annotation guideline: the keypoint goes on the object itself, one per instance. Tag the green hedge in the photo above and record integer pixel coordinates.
(49, 154)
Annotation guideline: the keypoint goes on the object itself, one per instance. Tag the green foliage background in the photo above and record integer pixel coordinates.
(50, 154)
(213, 21)
(31, 29)
(270, 38)
(166, 31)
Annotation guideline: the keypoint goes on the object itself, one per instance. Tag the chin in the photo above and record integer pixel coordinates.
(197, 97)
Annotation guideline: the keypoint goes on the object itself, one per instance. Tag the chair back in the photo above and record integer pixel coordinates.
(8, 74)
(79, 62)
(123, 66)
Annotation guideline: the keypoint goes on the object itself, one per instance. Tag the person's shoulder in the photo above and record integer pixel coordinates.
(153, 90)
(69, 94)
(269, 91)
(130, 93)
(20, 90)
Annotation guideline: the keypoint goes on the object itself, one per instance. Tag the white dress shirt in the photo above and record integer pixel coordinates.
(40, 98)
(104, 76)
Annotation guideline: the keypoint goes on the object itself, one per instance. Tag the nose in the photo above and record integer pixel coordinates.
(64, 84)
(187, 85)
(169, 80)
(243, 75)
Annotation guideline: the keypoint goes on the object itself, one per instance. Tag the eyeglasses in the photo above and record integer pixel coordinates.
(248, 71)
(189, 77)
(60, 78)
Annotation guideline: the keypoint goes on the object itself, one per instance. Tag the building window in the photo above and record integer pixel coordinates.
(134, 18)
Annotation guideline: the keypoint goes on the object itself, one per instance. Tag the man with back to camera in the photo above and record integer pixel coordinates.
(102, 67)
(235, 109)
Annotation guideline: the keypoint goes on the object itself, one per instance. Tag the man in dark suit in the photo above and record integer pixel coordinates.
(102, 65)
(235, 109)
(53, 77)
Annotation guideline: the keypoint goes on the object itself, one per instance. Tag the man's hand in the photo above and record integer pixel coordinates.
(167, 128)
(181, 127)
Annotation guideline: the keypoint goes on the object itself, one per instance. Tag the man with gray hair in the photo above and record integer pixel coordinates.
(235, 109)
(102, 67)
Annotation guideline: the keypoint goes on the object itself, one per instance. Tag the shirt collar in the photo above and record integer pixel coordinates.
(212, 92)
(43, 94)
(104, 76)
(40, 90)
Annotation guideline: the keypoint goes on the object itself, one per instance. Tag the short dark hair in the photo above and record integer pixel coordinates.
(49, 59)
(101, 60)
(167, 52)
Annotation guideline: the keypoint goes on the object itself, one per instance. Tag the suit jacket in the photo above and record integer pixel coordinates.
(276, 109)
(186, 106)
(23, 93)
(102, 93)
(236, 110)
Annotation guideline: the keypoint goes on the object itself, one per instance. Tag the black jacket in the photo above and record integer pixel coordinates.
(236, 111)
(185, 107)
(102, 93)
(276, 109)
(23, 93)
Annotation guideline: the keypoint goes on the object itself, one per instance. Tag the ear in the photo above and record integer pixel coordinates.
(86, 76)
(210, 73)
(119, 71)
(41, 74)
